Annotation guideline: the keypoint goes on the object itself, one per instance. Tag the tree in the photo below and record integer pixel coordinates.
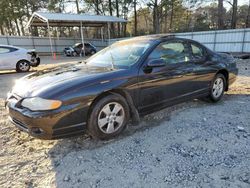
(135, 17)
(234, 15)
(247, 24)
(220, 15)
(117, 14)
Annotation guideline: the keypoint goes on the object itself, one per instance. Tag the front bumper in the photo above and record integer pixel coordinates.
(64, 122)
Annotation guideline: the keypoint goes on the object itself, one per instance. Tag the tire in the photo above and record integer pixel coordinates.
(217, 88)
(103, 126)
(23, 66)
(92, 52)
(38, 60)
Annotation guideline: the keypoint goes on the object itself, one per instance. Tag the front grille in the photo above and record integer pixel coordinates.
(20, 124)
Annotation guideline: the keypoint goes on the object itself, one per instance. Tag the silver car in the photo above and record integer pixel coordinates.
(12, 57)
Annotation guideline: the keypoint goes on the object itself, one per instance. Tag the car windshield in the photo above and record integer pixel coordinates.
(76, 45)
(121, 54)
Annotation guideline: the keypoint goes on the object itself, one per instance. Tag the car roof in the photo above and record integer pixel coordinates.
(147, 38)
(156, 36)
(10, 46)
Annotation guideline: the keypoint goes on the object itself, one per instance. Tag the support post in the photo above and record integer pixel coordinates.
(108, 33)
(215, 40)
(102, 34)
(51, 47)
(7, 39)
(82, 41)
(243, 41)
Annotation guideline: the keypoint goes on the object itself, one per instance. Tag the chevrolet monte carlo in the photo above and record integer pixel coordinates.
(121, 83)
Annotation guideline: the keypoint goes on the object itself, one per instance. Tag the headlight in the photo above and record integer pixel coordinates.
(37, 104)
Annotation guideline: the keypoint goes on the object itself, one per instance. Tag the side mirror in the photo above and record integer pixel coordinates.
(156, 63)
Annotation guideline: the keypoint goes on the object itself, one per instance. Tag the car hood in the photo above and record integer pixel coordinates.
(58, 77)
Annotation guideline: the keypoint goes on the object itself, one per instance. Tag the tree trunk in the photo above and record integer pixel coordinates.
(2, 30)
(156, 22)
(97, 7)
(166, 20)
(17, 27)
(234, 15)
(124, 29)
(77, 6)
(247, 24)
(111, 14)
(22, 26)
(117, 14)
(220, 15)
(171, 16)
(135, 16)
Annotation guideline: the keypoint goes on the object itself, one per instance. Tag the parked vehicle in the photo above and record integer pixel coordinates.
(12, 57)
(122, 82)
(77, 49)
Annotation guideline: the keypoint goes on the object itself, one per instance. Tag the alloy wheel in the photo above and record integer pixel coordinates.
(24, 66)
(111, 117)
(218, 87)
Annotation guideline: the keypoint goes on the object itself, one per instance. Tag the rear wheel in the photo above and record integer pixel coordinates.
(109, 117)
(217, 88)
(23, 66)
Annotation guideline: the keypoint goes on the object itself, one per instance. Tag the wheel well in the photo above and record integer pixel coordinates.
(226, 74)
(22, 60)
(133, 112)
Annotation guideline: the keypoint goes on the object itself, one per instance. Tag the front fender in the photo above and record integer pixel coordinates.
(86, 95)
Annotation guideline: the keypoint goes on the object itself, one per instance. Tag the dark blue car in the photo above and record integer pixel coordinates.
(122, 82)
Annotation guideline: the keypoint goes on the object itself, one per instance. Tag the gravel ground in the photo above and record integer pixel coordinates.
(194, 144)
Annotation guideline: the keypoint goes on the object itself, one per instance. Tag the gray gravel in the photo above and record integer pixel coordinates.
(200, 146)
(194, 144)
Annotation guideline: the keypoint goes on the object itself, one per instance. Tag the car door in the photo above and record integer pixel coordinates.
(203, 69)
(8, 57)
(159, 85)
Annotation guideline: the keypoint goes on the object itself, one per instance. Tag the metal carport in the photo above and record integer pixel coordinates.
(47, 19)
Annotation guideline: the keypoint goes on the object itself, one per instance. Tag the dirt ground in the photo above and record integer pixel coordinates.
(194, 144)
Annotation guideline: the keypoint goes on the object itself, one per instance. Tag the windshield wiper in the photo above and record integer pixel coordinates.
(112, 61)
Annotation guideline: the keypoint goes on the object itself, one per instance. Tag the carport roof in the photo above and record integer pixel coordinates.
(65, 19)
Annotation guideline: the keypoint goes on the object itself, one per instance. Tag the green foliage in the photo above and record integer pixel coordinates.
(153, 16)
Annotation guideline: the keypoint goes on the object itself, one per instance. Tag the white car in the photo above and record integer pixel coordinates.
(12, 57)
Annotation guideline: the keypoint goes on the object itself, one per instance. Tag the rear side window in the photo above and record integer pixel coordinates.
(197, 52)
(87, 44)
(170, 52)
(4, 50)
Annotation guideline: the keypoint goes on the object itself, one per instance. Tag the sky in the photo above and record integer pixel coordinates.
(240, 2)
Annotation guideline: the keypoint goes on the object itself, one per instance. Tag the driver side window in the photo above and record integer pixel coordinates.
(197, 52)
(170, 52)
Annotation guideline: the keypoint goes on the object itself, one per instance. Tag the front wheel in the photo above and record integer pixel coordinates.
(23, 66)
(92, 52)
(217, 88)
(109, 117)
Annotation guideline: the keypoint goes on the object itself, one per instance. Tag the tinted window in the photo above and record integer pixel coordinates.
(4, 50)
(87, 44)
(122, 54)
(198, 52)
(170, 52)
(77, 45)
